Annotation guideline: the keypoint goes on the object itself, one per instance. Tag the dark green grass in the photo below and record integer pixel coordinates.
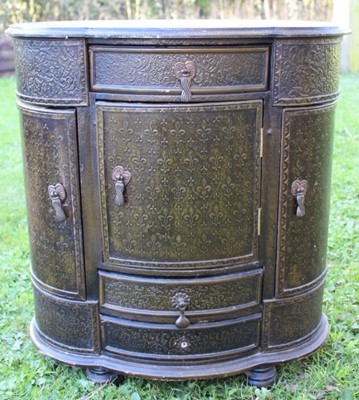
(331, 373)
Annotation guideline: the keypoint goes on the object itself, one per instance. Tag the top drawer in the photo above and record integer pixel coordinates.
(179, 74)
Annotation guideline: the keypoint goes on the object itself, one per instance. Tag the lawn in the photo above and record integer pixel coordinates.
(331, 373)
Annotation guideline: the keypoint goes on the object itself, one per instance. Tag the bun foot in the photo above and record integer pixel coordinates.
(103, 375)
(262, 376)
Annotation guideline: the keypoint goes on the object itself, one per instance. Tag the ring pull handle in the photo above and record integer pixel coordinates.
(185, 71)
(122, 177)
(180, 302)
(299, 190)
(57, 195)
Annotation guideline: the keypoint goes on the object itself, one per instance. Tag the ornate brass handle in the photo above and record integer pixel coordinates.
(180, 302)
(122, 177)
(299, 190)
(57, 195)
(185, 71)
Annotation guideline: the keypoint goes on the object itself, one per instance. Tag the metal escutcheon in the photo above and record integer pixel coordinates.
(185, 71)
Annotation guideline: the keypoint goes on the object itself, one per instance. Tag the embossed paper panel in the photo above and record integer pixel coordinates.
(51, 71)
(306, 71)
(194, 192)
(306, 154)
(217, 69)
(50, 157)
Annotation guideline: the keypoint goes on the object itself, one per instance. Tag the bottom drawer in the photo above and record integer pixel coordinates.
(164, 341)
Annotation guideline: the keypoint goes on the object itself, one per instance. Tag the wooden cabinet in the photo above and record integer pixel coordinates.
(178, 189)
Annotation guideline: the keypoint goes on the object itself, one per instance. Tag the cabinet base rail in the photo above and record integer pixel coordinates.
(258, 367)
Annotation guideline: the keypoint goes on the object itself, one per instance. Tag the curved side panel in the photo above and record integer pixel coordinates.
(306, 71)
(67, 324)
(290, 322)
(51, 72)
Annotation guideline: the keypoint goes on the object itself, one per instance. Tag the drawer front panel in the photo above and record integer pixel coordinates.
(166, 342)
(126, 294)
(194, 190)
(155, 71)
(303, 230)
(50, 158)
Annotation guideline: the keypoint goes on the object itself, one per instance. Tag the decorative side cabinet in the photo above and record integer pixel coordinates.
(178, 191)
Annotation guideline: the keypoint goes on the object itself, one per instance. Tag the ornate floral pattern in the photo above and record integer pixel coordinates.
(194, 191)
(131, 68)
(152, 341)
(67, 324)
(306, 154)
(288, 322)
(51, 71)
(306, 71)
(157, 295)
(50, 156)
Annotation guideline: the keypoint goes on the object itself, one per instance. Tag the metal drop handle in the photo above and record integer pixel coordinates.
(299, 190)
(180, 302)
(57, 195)
(122, 177)
(185, 71)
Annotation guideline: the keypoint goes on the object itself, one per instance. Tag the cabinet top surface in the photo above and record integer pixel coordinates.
(173, 29)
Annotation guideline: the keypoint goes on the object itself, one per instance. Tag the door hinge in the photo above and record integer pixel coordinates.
(261, 145)
(259, 221)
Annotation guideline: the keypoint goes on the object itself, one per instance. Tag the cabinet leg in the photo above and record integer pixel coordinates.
(262, 376)
(103, 375)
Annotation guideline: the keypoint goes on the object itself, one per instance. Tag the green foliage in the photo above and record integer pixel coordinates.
(331, 373)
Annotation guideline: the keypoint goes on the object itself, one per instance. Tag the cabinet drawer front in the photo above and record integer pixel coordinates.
(306, 156)
(162, 341)
(149, 71)
(152, 298)
(194, 191)
(50, 158)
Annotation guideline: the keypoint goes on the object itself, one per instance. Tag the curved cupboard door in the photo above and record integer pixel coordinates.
(179, 185)
(53, 199)
(304, 197)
